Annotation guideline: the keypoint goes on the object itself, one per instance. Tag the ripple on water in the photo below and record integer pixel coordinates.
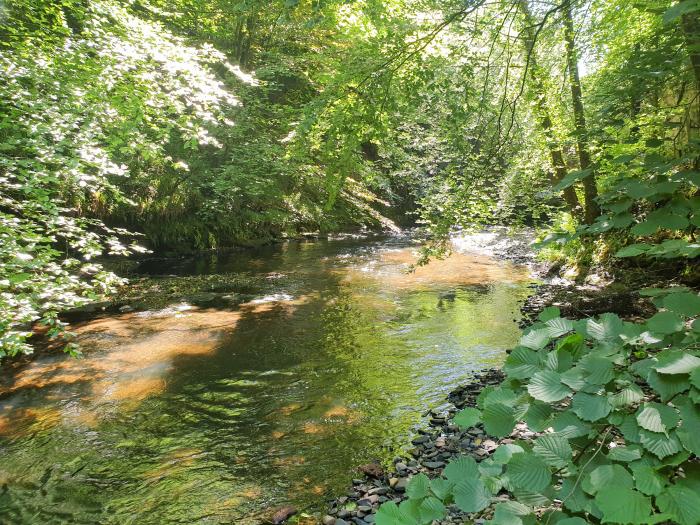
(187, 415)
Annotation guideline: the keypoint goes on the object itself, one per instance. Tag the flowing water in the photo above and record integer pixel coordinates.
(194, 415)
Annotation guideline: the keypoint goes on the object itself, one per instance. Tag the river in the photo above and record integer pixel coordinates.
(215, 415)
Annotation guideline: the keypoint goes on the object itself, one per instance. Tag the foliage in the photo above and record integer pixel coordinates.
(617, 403)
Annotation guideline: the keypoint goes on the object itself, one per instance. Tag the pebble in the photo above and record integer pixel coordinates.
(329, 520)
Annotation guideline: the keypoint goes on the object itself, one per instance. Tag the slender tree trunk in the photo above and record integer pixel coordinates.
(545, 120)
(690, 23)
(591, 208)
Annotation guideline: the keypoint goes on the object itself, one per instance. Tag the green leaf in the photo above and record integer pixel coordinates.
(505, 452)
(509, 513)
(599, 370)
(441, 487)
(461, 468)
(547, 386)
(623, 505)
(682, 503)
(667, 385)
(390, 514)
(606, 476)
(686, 304)
(625, 454)
(689, 433)
(646, 479)
(608, 327)
(573, 497)
(467, 417)
(538, 416)
(471, 495)
(499, 419)
(432, 509)
(678, 363)
(528, 471)
(629, 395)
(522, 363)
(558, 327)
(632, 250)
(535, 339)
(590, 407)
(418, 486)
(570, 426)
(553, 449)
(657, 417)
(659, 444)
(665, 323)
(551, 312)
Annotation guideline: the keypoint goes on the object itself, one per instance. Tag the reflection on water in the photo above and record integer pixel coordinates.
(191, 415)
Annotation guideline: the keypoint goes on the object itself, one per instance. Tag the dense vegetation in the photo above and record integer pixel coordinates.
(191, 124)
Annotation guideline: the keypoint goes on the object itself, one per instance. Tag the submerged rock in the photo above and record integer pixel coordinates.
(282, 514)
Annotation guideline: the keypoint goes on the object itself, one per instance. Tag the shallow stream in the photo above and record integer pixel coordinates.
(216, 415)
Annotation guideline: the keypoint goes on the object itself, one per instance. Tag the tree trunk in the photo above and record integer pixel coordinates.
(542, 109)
(690, 23)
(591, 208)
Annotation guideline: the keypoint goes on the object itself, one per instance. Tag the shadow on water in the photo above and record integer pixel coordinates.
(189, 415)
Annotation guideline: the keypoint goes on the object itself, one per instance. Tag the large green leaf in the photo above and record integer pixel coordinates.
(623, 505)
(547, 386)
(461, 468)
(418, 486)
(522, 363)
(590, 407)
(499, 419)
(606, 476)
(684, 303)
(678, 363)
(471, 495)
(535, 339)
(625, 454)
(505, 452)
(667, 385)
(390, 514)
(682, 503)
(689, 433)
(538, 416)
(665, 323)
(570, 426)
(467, 417)
(659, 444)
(431, 509)
(553, 449)
(646, 479)
(528, 471)
(599, 370)
(558, 327)
(629, 395)
(657, 417)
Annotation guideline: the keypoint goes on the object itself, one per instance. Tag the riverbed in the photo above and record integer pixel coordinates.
(196, 414)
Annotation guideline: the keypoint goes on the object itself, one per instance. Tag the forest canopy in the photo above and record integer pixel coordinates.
(186, 125)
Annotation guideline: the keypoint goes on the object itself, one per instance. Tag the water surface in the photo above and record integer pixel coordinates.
(194, 415)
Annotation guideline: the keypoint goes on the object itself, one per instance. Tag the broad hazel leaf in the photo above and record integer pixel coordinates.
(659, 444)
(432, 509)
(667, 385)
(553, 449)
(528, 471)
(599, 370)
(665, 323)
(418, 486)
(538, 416)
(607, 476)
(573, 497)
(499, 419)
(461, 468)
(505, 452)
(590, 407)
(695, 378)
(623, 505)
(522, 363)
(547, 386)
(689, 432)
(390, 514)
(535, 339)
(646, 479)
(629, 395)
(467, 417)
(678, 363)
(509, 513)
(625, 454)
(471, 495)
(657, 417)
(632, 250)
(682, 503)
(685, 303)
(608, 327)
(569, 426)
(441, 487)
(551, 312)
(558, 327)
